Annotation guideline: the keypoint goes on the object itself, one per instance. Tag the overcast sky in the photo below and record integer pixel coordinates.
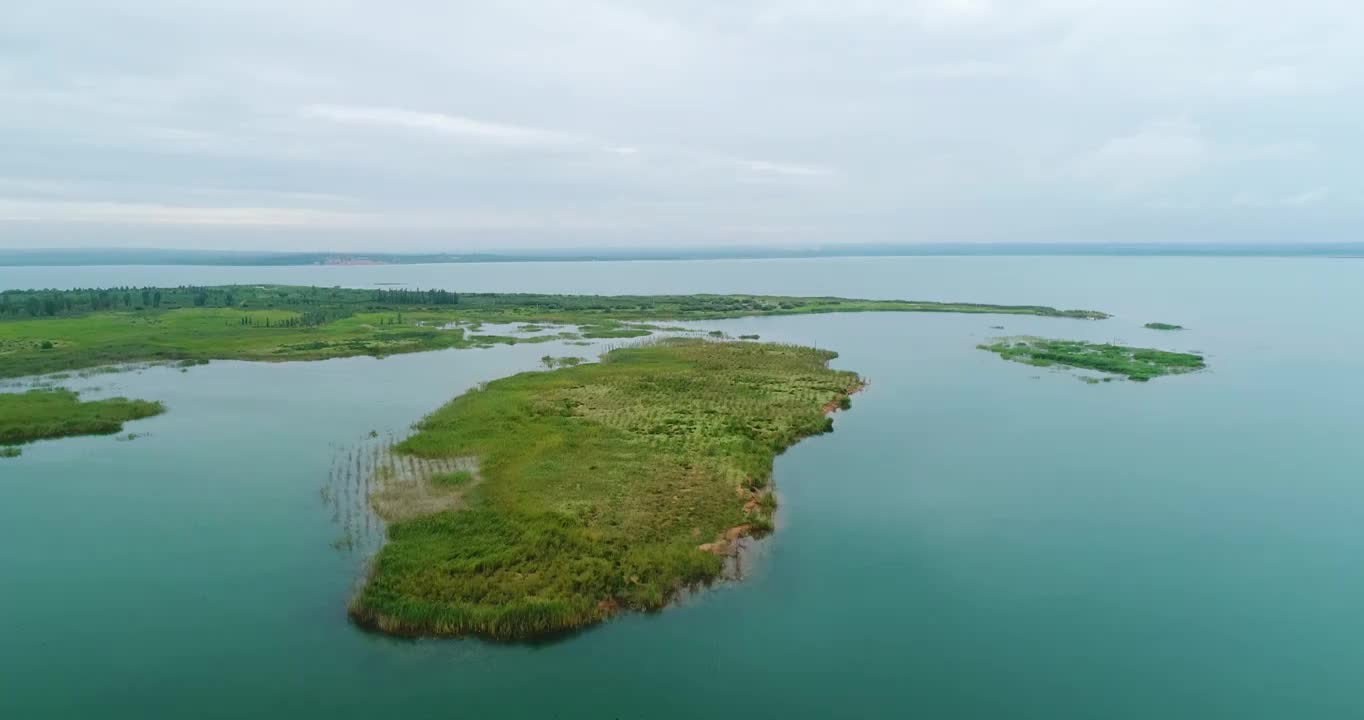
(447, 125)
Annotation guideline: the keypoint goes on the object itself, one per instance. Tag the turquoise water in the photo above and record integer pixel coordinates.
(978, 539)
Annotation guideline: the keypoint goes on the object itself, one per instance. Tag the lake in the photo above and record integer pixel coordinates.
(977, 538)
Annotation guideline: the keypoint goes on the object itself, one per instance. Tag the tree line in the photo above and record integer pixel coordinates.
(58, 303)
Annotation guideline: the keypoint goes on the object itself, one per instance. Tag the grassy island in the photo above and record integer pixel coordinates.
(1162, 326)
(1140, 364)
(43, 414)
(602, 487)
(46, 331)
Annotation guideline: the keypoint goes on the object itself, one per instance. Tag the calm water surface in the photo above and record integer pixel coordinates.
(978, 539)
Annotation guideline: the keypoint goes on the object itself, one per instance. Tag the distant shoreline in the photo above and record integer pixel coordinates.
(71, 257)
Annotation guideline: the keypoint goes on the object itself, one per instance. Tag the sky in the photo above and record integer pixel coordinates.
(442, 125)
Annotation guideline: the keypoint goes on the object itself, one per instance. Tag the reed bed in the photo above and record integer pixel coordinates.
(369, 484)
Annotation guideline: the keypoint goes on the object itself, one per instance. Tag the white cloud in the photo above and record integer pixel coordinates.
(1282, 151)
(454, 126)
(468, 130)
(154, 214)
(931, 14)
(852, 120)
(1308, 197)
(967, 69)
(147, 214)
(1258, 200)
(763, 167)
(1156, 154)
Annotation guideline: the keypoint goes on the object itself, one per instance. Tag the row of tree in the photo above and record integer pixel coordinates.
(416, 297)
(307, 319)
(54, 303)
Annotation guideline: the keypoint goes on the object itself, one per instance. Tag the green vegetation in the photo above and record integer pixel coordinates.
(10, 451)
(558, 362)
(1163, 326)
(1140, 364)
(42, 414)
(457, 478)
(604, 486)
(46, 331)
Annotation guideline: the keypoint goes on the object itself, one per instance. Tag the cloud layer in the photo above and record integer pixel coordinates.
(428, 125)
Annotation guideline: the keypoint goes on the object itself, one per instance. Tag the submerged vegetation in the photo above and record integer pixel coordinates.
(47, 331)
(46, 413)
(1140, 364)
(1162, 326)
(603, 486)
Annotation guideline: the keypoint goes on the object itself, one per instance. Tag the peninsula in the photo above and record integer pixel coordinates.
(46, 331)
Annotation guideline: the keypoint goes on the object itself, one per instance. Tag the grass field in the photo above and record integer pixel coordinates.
(42, 414)
(53, 331)
(1140, 364)
(604, 486)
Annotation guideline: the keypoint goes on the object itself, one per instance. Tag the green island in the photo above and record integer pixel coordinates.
(42, 414)
(1140, 364)
(600, 487)
(48, 331)
(1162, 326)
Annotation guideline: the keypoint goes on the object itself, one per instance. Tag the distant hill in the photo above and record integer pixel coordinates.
(153, 256)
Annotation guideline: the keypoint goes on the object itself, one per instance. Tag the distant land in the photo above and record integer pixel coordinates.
(152, 256)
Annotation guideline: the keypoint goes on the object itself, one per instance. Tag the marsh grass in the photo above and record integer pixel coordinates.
(40, 414)
(597, 485)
